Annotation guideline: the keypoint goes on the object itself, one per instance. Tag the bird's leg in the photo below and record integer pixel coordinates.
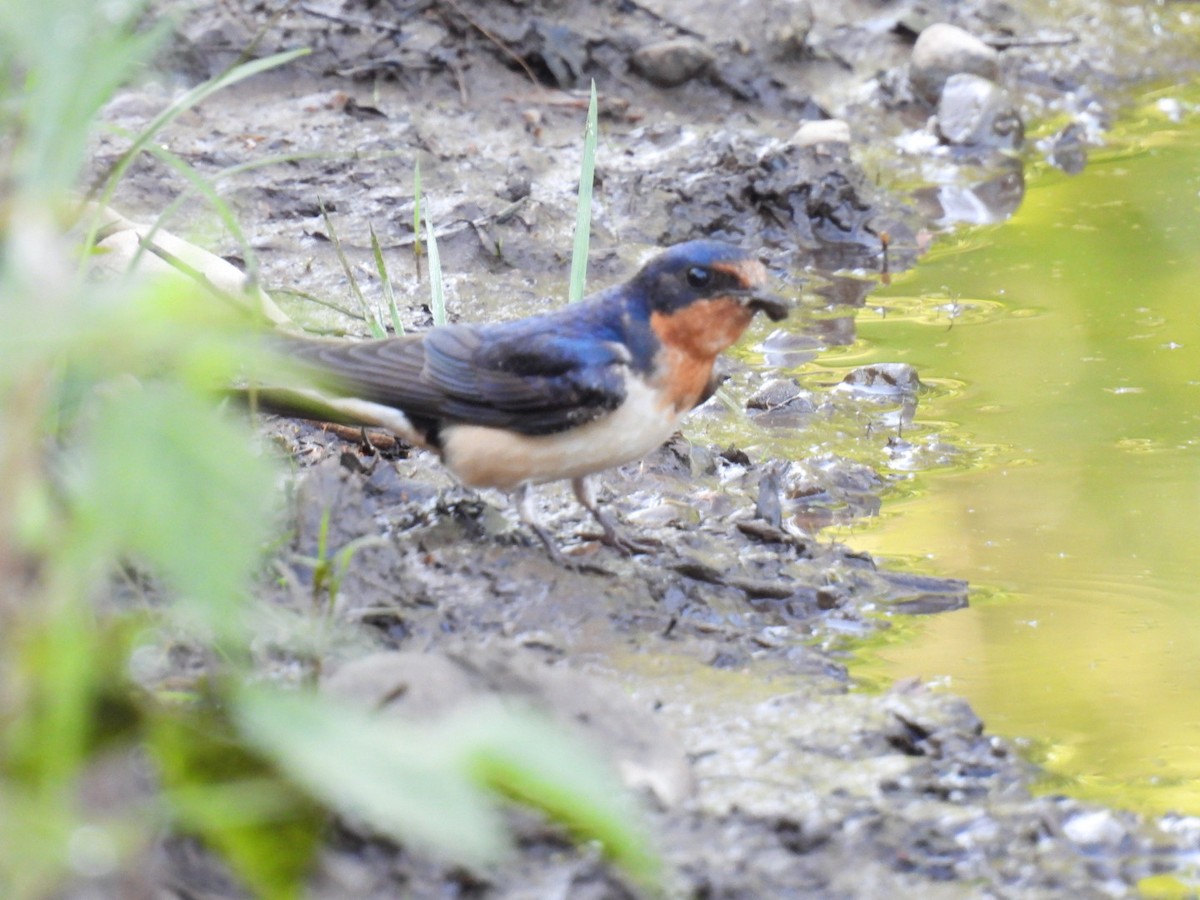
(525, 510)
(612, 533)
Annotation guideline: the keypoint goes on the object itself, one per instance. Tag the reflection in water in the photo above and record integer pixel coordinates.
(1077, 382)
(993, 200)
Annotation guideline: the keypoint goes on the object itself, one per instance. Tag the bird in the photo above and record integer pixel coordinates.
(555, 396)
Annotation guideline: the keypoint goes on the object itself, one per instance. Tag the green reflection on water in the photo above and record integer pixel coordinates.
(1078, 363)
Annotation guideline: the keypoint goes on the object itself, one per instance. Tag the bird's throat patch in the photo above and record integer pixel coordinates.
(692, 338)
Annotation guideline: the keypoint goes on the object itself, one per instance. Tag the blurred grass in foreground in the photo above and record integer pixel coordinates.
(115, 461)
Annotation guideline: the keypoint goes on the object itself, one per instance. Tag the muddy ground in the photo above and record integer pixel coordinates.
(714, 670)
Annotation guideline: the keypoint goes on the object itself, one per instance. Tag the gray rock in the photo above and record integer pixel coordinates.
(1095, 829)
(781, 403)
(888, 379)
(976, 112)
(775, 393)
(822, 132)
(1068, 149)
(943, 50)
(671, 63)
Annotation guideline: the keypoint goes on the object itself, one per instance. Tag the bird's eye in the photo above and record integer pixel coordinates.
(698, 276)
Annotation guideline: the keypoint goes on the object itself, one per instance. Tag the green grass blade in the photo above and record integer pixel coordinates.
(388, 294)
(368, 316)
(193, 97)
(583, 209)
(309, 297)
(437, 296)
(202, 186)
(417, 216)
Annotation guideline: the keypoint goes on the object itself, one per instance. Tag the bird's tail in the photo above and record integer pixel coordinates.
(319, 391)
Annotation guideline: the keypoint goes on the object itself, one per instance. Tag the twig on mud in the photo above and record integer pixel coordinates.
(610, 105)
(351, 21)
(258, 29)
(1002, 42)
(480, 225)
(507, 50)
(378, 441)
(458, 225)
(456, 71)
(378, 64)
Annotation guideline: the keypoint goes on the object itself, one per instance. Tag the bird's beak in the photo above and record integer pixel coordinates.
(774, 306)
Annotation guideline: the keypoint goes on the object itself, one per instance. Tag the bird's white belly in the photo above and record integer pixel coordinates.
(492, 457)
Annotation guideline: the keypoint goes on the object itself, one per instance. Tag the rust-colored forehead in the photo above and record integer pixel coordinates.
(749, 273)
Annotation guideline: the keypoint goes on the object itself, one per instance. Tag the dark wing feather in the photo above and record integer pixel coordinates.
(387, 371)
(535, 380)
(531, 380)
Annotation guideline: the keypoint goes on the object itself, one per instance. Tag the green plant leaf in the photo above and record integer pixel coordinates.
(437, 296)
(524, 756)
(417, 215)
(73, 54)
(583, 208)
(168, 481)
(395, 777)
(235, 800)
(385, 280)
(431, 784)
(367, 315)
(204, 187)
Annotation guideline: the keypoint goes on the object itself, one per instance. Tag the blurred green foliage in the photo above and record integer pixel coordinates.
(117, 468)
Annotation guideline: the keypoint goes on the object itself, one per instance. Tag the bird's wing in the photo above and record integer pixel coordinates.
(535, 381)
(386, 372)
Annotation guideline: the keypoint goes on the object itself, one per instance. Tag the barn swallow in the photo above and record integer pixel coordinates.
(555, 396)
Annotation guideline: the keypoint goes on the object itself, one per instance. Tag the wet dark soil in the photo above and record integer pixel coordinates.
(713, 671)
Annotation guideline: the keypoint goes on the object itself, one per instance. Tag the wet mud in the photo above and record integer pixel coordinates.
(713, 670)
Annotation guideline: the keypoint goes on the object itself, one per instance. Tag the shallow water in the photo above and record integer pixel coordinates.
(1063, 350)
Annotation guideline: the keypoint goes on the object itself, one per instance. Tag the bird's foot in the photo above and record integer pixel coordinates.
(561, 559)
(612, 534)
(524, 505)
(614, 537)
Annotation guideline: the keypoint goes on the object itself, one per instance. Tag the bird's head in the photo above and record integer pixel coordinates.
(701, 295)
